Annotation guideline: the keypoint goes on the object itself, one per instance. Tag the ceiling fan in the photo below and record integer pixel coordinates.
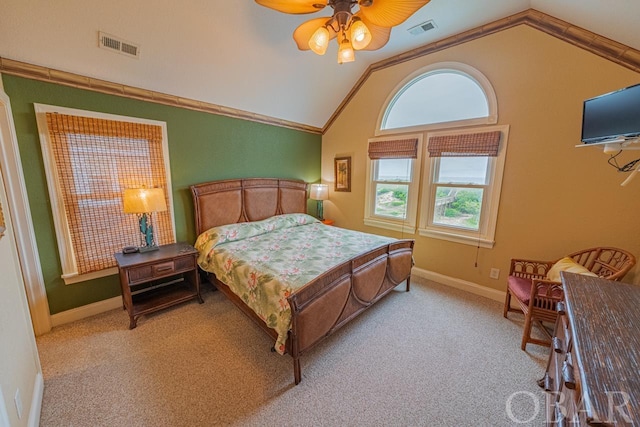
(368, 28)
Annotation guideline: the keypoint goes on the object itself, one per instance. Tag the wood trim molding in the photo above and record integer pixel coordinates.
(609, 49)
(36, 72)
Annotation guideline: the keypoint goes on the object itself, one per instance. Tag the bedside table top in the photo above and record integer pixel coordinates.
(165, 251)
(327, 221)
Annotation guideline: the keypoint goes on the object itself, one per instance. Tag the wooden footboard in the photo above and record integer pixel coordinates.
(332, 299)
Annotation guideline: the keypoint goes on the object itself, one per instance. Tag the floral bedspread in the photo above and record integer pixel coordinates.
(263, 262)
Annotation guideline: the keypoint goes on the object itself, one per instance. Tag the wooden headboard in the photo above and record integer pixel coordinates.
(250, 199)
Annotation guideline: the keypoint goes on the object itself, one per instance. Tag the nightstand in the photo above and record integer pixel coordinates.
(327, 221)
(155, 280)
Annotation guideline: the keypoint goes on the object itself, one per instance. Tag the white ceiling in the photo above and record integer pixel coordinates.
(241, 55)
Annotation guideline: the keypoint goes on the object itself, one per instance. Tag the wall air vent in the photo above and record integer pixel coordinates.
(116, 44)
(422, 28)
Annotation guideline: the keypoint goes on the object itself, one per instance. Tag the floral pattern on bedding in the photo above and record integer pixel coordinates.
(263, 262)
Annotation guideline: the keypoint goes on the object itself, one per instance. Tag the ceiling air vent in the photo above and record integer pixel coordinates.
(116, 44)
(422, 28)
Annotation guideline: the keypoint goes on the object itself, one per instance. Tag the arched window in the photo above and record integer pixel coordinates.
(440, 96)
(461, 182)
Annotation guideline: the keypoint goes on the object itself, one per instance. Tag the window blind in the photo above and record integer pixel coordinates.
(394, 149)
(95, 160)
(465, 145)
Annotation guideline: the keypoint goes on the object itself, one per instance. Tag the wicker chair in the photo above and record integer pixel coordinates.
(537, 297)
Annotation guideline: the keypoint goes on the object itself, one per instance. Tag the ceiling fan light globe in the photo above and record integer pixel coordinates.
(360, 35)
(319, 41)
(345, 52)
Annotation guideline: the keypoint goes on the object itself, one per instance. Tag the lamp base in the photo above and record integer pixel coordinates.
(143, 249)
(146, 230)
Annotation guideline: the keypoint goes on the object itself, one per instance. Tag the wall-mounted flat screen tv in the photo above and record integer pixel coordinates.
(612, 116)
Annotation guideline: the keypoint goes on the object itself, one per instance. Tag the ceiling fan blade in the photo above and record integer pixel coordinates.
(303, 33)
(294, 6)
(379, 35)
(389, 13)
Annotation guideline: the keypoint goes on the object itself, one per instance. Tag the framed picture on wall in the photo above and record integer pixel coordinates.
(342, 173)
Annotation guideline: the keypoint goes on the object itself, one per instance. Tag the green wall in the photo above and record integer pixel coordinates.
(202, 147)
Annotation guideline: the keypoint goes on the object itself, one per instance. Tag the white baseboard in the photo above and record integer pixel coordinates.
(464, 285)
(116, 302)
(36, 401)
(85, 311)
(4, 416)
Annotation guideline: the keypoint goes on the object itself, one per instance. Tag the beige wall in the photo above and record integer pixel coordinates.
(555, 198)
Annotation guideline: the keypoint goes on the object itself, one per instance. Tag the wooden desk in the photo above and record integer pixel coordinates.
(593, 376)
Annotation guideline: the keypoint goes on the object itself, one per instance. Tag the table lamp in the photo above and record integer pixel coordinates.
(319, 192)
(143, 202)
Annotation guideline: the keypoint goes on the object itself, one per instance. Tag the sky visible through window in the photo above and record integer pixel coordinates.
(467, 170)
(439, 97)
(394, 170)
(463, 170)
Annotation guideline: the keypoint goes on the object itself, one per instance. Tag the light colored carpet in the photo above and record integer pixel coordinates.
(434, 356)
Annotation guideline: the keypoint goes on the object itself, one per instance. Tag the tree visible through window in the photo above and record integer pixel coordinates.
(460, 186)
(462, 191)
(392, 191)
(392, 186)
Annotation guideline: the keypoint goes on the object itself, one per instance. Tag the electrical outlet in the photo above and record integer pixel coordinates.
(494, 273)
(18, 401)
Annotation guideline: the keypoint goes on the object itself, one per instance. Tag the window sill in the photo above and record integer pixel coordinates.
(482, 242)
(70, 279)
(390, 225)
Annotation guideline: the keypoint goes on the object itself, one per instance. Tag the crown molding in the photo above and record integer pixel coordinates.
(36, 72)
(619, 53)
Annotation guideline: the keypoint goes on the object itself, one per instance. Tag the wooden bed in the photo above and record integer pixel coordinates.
(326, 303)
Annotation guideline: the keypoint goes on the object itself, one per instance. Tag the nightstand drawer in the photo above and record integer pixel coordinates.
(147, 272)
(163, 268)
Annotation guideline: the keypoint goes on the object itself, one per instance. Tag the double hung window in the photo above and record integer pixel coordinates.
(453, 108)
(461, 187)
(392, 191)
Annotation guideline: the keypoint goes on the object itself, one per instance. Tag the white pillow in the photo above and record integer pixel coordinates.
(567, 264)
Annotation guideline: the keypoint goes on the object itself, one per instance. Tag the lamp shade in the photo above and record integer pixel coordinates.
(345, 52)
(319, 192)
(319, 41)
(143, 200)
(360, 35)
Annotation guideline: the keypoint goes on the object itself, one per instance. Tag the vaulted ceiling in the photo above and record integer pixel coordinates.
(240, 55)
